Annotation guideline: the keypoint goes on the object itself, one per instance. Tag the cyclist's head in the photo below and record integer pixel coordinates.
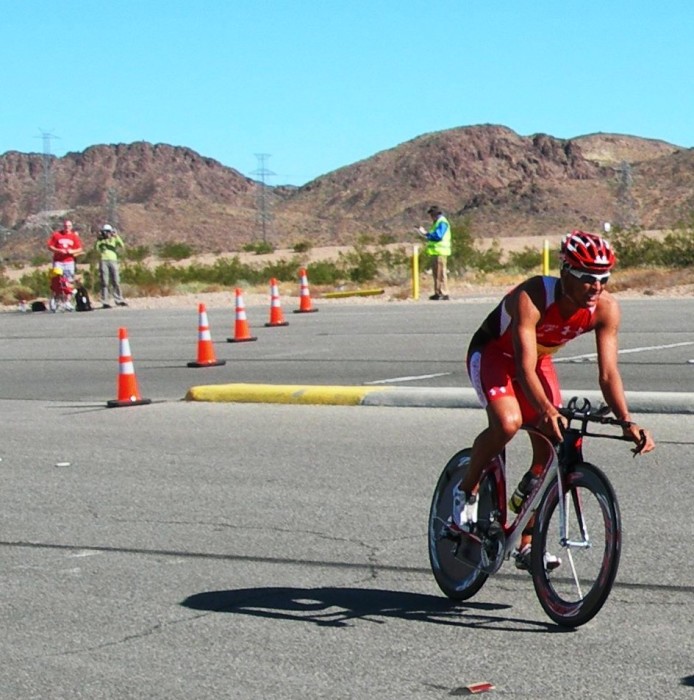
(587, 251)
(56, 271)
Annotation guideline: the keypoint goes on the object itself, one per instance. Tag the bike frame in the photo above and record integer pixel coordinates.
(496, 470)
(561, 458)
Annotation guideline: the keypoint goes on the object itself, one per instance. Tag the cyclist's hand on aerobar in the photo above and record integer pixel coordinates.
(642, 439)
(552, 423)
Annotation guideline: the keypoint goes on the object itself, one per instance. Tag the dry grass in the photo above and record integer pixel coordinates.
(652, 281)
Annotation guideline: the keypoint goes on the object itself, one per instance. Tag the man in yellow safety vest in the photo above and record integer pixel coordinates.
(438, 248)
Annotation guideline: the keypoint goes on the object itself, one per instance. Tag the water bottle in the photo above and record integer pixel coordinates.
(525, 486)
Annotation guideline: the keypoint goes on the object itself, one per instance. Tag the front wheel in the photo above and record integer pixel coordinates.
(455, 560)
(589, 546)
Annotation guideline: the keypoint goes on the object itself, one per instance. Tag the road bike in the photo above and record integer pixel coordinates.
(573, 512)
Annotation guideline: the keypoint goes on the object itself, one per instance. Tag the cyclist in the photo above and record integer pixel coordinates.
(510, 366)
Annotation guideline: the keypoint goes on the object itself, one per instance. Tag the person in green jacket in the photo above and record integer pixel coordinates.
(110, 245)
(438, 248)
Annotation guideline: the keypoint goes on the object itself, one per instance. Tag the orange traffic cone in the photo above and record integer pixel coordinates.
(241, 331)
(276, 315)
(305, 305)
(128, 391)
(206, 356)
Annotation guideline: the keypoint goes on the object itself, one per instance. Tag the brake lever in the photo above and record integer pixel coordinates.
(602, 410)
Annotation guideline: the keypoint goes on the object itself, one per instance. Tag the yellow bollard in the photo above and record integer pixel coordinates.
(415, 272)
(545, 258)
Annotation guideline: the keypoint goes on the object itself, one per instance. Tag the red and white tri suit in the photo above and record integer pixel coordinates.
(491, 363)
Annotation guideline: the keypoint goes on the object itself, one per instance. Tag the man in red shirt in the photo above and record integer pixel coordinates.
(65, 245)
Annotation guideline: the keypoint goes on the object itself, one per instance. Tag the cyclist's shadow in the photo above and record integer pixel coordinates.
(336, 607)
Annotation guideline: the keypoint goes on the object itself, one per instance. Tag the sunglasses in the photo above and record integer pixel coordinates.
(587, 277)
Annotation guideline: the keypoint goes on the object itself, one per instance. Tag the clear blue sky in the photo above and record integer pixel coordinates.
(321, 84)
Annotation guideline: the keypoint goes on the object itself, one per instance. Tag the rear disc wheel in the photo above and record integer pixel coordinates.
(456, 560)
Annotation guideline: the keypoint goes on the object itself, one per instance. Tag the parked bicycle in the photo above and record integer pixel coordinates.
(576, 517)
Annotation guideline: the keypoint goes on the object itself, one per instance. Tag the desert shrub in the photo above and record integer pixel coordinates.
(364, 264)
(137, 253)
(488, 260)
(264, 248)
(230, 271)
(678, 249)
(174, 251)
(37, 281)
(466, 256)
(364, 239)
(525, 260)
(361, 265)
(302, 246)
(40, 259)
(326, 272)
(259, 247)
(281, 270)
(635, 250)
(90, 279)
(394, 258)
(15, 293)
(138, 275)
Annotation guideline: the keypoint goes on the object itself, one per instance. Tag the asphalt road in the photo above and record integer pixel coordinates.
(197, 550)
(68, 356)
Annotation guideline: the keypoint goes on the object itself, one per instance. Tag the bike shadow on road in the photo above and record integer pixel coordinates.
(339, 607)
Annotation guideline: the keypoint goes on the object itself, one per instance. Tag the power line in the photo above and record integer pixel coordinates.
(48, 185)
(626, 204)
(264, 208)
(112, 207)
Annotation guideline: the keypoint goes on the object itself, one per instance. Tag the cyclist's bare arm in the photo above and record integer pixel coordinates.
(607, 345)
(525, 315)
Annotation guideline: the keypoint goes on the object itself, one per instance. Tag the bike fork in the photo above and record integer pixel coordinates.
(564, 510)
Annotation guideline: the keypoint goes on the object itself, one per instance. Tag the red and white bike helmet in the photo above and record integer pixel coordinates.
(587, 251)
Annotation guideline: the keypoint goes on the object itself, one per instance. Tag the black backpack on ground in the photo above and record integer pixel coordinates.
(82, 301)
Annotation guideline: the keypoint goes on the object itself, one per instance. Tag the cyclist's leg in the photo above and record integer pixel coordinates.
(491, 375)
(504, 420)
(541, 452)
(540, 457)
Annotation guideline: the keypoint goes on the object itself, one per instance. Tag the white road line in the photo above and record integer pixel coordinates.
(593, 355)
(409, 379)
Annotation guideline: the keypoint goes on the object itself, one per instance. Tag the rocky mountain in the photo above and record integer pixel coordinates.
(503, 183)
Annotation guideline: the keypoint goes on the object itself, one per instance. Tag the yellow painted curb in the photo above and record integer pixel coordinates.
(267, 393)
(353, 293)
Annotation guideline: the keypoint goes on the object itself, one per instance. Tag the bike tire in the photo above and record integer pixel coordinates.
(576, 591)
(459, 577)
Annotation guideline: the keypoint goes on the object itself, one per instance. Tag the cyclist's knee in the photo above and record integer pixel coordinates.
(506, 426)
